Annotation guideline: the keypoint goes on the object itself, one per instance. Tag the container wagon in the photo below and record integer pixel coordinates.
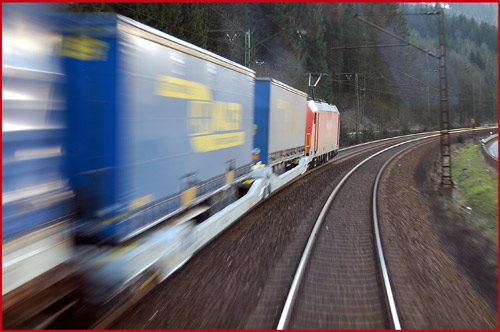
(280, 121)
(159, 125)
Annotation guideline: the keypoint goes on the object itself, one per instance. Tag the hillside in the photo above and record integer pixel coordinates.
(381, 89)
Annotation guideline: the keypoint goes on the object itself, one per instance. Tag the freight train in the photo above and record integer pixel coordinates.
(128, 150)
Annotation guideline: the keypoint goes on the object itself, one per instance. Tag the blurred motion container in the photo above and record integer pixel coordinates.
(159, 125)
(37, 202)
(280, 118)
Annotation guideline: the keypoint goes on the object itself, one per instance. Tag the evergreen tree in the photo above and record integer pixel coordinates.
(394, 87)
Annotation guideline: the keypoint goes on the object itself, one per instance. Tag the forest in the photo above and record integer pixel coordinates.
(380, 91)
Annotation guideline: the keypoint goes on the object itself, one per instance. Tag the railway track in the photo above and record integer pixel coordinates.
(343, 288)
(240, 280)
(260, 317)
(342, 282)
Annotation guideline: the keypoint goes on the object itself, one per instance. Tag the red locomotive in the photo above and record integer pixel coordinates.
(322, 132)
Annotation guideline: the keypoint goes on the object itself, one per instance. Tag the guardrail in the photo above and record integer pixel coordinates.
(490, 159)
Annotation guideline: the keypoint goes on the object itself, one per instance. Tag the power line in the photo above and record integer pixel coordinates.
(162, 21)
(285, 60)
(396, 36)
(366, 46)
(258, 41)
(373, 90)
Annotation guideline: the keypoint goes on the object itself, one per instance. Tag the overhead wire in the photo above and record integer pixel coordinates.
(372, 90)
(161, 21)
(285, 60)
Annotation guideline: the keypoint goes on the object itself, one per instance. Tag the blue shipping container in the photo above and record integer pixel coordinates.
(35, 189)
(158, 123)
(280, 119)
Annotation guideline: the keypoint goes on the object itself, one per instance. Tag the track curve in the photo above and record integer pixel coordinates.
(240, 280)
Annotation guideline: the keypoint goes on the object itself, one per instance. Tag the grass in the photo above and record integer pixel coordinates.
(469, 237)
(477, 189)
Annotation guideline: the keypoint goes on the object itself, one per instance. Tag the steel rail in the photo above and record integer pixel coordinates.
(390, 296)
(452, 131)
(292, 295)
(385, 275)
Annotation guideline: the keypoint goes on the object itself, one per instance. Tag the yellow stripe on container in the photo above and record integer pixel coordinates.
(218, 141)
(188, 195)
(230, 177)
(111, 220)
(174, 87)
(84, 48)
(137, 203)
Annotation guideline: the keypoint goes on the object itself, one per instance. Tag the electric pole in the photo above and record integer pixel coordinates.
(247, 49)
(446, 176)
